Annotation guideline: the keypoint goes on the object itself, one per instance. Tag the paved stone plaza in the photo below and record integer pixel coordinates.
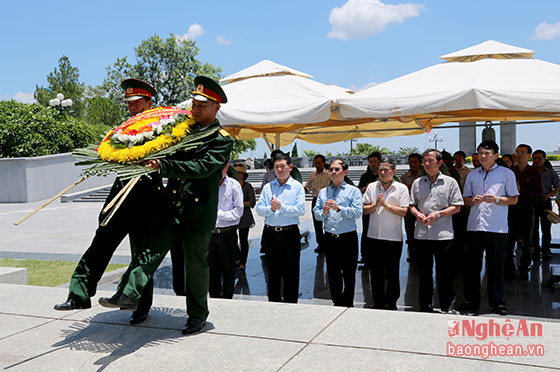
(241, 334)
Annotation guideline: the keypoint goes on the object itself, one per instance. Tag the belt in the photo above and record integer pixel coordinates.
(336, 236)
(219, 230)
(281, 228)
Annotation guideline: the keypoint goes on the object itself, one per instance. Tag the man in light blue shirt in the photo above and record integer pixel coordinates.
(339, 206)
(282, 202)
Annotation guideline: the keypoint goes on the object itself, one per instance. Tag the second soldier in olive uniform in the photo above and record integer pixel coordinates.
(193, 187)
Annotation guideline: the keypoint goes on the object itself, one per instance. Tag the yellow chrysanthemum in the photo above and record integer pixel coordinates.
(109, 153)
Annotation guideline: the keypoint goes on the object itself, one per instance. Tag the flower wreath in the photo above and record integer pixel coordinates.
(148, 132)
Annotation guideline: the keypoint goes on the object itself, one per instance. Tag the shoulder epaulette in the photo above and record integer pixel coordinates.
(224, 133)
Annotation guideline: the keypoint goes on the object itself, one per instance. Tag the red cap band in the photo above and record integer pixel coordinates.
(130, 92)
(202, 90)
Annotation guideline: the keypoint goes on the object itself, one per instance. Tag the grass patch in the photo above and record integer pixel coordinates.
(48, 273)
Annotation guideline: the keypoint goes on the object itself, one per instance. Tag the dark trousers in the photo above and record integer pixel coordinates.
(521, 224)
(409, 224)
(194, 245)
(94, 261)
(363, 240)
(318, 226)
(341, 252)
(495, 245)
(221, 262)
(243, 245)
(442, 251)
(283, 252)
(540, 216)
(383, 259)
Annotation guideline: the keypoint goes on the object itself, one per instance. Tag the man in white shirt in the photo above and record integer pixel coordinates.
(223, 241)
(386, 201)
(489, 190)
(434, 198)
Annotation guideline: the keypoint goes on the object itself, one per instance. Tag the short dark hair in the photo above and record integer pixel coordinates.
(474, 154)
(540, 152)
(322, 157)
(489, 145)
(389, 161)
(529, 149)
(267, 163)
(375, 154)
(438, 153)
(460, 152)
(415, 155)
(282, 156)
(508, 156)
(274, 153)
(343, 163)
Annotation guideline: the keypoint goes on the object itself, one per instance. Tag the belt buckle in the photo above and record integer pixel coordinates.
(336, 236)
(277, 228)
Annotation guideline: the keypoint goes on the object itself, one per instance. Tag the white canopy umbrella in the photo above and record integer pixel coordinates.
(268, 98)
(489, 81)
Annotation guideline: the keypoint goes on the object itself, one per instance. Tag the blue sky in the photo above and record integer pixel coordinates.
(384, 40)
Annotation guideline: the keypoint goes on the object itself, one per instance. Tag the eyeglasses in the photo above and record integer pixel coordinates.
(281, 166)
(521, 152)
(335, 169)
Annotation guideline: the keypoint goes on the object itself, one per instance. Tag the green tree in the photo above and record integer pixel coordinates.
(364, 149)
(170, 65)
(403, 150)
(294, 151)
(66, 80)
(240, 146)
(104, 110)
(34, 130)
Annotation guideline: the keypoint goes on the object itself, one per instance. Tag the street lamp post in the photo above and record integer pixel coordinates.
(60, 103)
(435, 139)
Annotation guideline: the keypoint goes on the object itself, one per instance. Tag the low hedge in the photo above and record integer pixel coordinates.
(28, 130)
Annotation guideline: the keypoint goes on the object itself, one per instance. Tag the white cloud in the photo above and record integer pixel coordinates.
(223, 41)
(22, 97)
(362, 18)
(195, 30)
(545, 31)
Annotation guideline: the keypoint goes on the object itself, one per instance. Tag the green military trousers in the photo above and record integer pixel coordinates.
(144, 264)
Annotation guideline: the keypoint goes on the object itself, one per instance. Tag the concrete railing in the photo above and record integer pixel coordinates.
(24, 180)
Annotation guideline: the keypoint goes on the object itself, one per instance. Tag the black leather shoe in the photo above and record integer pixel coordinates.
(138, 317)
(500, 310)
(119, 300)
(193, 325)
(467, 308)
(70, 304)
(426, 308)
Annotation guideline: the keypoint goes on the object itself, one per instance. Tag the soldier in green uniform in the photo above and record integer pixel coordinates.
(193, 189)
(147, 194)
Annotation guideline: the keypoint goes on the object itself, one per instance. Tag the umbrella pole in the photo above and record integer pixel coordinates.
(52, 199)
(277, 142)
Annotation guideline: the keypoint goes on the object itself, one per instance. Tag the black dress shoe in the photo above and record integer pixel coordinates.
(500, 310)
(426, 308)
(193, 325)
(138, 317)
(70, 304)
(119, 300)
(467, 308)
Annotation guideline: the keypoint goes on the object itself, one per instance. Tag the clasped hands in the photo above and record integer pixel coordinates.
(488, 198)
(275, 204)
(329, 204)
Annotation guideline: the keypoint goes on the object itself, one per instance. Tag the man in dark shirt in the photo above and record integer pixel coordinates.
(369, 176)
(530, 185)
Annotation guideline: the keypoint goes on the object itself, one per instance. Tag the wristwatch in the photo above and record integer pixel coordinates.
(497, 200)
